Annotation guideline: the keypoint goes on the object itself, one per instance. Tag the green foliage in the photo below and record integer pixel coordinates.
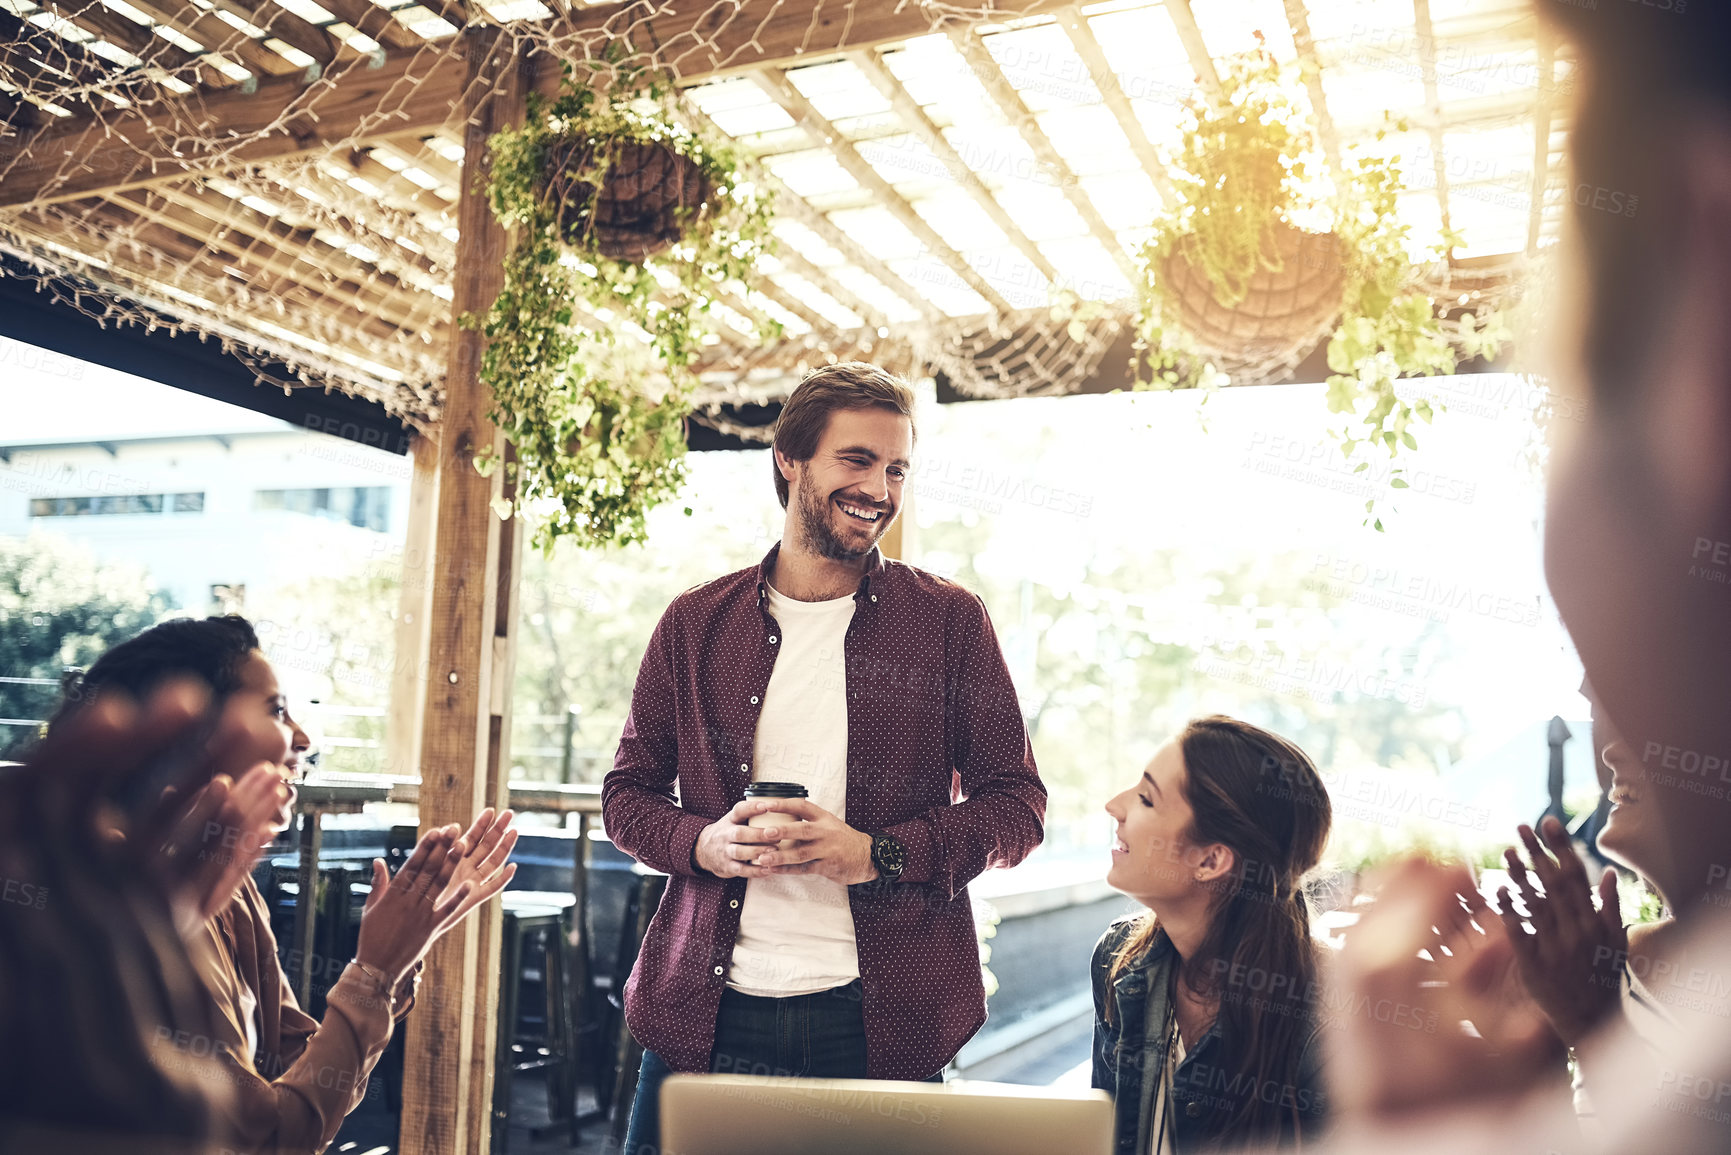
(60, 607)
(1243, 169)
(596, 415)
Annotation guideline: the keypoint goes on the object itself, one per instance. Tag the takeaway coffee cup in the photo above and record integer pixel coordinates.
(774, 790)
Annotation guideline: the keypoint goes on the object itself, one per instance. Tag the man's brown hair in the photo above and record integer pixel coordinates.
(844, 385)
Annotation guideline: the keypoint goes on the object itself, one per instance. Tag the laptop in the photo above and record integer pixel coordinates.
(750, 1115)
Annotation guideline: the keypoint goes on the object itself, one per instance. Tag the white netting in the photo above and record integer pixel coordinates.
(282, 175)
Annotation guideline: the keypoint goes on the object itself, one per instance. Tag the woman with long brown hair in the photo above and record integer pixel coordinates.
(1206, 1031)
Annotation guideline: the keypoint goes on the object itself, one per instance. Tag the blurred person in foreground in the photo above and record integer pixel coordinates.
(1206, 1026)
(111, 841)
(291, 1078)
(1638, 537)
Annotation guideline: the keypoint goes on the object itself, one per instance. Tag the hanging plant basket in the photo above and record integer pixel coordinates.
(1290, 303)
(626, 224)
(1233, 289)
(648, 198)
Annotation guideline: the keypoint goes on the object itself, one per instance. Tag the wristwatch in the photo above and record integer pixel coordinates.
(889, 856)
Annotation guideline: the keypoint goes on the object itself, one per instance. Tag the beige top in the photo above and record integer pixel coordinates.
(295, 1078)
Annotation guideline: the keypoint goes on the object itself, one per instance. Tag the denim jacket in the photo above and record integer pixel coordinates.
(1130, 1054)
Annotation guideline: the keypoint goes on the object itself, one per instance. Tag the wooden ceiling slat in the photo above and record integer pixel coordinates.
(377, 311)
(1298, 20)
(28, 47)
(418, 150)
(102, 21)
(298, 242)
(277, 21)
(399, 190)
(985, 69)
(216, 36)
(792, 208)
(1195, 47)
(1541, 139)
(282, 117)
(798, 107)
(1433, 103)
(786, 300)
(371, 20)
(193, 257)
(1105, 78)
(301, 213)
(914, 117)
(795, 263)
(704, 41)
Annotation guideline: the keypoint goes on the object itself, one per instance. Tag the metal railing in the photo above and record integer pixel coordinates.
(561, 728)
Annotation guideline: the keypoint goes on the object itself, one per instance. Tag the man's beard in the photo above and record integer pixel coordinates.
(821, 538)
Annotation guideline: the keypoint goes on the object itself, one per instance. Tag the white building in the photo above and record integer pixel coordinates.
(213, 500)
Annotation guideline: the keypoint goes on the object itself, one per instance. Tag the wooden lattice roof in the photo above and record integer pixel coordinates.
(283, 173)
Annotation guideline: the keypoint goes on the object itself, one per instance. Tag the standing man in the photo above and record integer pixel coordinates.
(840, 944)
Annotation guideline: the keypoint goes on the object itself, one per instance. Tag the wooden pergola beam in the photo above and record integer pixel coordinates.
(914, 117)
(697, 39)
(1196, 48)
(701, 40)
(991, 77)
(1081, 33)
(101, 21)
(276, 21)
(794, 263)
(1542, 140)
(1310, 68)
(30, 47)
(801, 109)
(791, 208)
(217, 37)
(377, 291)
(1426, 34)
(283, 117)
(206, 259)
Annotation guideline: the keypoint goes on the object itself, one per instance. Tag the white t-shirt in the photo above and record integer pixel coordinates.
(796, 934)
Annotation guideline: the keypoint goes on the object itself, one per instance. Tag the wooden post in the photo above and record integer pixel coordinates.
(465, 729)
(409, 672)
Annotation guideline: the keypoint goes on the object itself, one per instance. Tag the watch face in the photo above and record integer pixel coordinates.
(891, 857)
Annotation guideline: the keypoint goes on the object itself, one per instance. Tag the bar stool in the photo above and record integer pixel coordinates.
(618, 1081)
(535, 937)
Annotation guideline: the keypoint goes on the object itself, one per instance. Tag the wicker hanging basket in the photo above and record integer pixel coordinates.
(646, 201)
(1292, 303)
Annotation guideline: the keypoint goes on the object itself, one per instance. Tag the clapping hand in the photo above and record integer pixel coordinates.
(405, 914)
(484, 867)
(1571, 960)
(1402, 1040)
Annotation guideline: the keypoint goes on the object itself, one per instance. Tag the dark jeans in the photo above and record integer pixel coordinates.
(819, 1036)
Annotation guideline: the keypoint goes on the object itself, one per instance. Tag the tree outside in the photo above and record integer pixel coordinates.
(60, 607)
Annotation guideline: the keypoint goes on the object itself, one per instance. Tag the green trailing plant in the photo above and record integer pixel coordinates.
(591, 345)
(1248, 165)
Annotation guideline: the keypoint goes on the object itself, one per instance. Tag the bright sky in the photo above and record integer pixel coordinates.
(49, 398)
